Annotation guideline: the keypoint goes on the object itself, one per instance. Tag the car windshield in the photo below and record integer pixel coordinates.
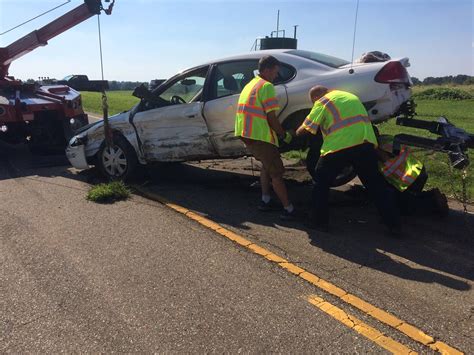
(320, 58)
(68, 77)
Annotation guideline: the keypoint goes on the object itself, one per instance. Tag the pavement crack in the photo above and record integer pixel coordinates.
(34, 319)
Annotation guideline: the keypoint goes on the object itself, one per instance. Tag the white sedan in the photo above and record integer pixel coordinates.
(191, 115)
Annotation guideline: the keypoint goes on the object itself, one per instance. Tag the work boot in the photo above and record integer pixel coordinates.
(268, 206)
(288, 216)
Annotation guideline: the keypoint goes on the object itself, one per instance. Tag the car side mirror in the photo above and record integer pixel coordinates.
(141, 92)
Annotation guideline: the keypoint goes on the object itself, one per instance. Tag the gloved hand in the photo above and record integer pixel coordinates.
(288, 137)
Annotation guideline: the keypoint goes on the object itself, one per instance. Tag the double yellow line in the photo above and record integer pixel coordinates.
(369, 332)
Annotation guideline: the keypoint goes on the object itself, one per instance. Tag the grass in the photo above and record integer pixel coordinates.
(108, 193)
(118, 101)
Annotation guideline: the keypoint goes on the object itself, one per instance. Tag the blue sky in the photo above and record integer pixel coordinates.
(146, 39)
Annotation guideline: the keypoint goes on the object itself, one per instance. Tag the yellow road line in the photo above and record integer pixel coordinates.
(360, 327)
(373, 311)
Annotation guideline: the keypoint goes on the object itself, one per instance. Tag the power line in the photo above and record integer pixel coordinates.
(34, 18)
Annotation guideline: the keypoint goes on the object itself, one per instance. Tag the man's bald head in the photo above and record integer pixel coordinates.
(316, 92)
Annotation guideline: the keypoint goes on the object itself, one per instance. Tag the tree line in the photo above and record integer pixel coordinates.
(114, 85)
(443, 80)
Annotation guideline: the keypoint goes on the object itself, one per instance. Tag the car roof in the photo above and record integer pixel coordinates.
(249, 55)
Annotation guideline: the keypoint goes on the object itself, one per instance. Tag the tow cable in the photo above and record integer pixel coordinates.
(105, 106)
(464, 198)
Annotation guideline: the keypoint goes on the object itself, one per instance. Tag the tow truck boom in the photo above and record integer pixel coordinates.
(41, 37)
(43, 116)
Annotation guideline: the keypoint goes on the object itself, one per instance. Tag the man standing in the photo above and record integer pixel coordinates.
(257, 125)
(348, 139)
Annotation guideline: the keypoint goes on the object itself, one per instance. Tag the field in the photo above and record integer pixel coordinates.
(459, 112)
(118, 101)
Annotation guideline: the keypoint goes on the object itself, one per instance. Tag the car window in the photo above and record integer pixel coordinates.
(285, 74)
(186, 88)
(230, 78)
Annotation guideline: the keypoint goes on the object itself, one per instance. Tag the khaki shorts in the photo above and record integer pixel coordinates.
(268, 155)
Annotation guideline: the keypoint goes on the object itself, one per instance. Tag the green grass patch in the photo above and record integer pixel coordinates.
(108, 193)
(420, 88)
(296, 154)
(118, 101)
(443, 94)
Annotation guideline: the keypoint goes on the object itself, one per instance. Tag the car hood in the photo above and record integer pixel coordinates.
(92, 127)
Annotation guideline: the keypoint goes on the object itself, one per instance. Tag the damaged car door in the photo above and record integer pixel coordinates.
(227, 80)
(176, 131)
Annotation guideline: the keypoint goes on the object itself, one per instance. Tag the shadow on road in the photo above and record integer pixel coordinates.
(432, 247)
(432, 250)
(16, 161)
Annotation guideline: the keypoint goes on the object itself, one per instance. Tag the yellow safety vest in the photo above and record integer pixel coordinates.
(256, 100)
(343, 121)
(402, 170)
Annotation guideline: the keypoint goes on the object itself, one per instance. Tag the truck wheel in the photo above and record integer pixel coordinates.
(346, 175)
(118, 162)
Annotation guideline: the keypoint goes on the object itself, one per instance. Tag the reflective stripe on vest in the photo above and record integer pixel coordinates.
(346, 122)
(309, 123)
(331, 108)
(252, 110)
(270, 103)
(391, 166)
(404, 177)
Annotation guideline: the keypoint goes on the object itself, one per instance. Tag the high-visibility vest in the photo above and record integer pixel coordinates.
(343, 121)
(402, 170)
(256, 100)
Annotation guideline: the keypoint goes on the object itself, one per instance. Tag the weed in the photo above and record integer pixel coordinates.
(108, 193)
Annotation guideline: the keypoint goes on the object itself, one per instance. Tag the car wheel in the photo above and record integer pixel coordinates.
(119, 161)
(346, 175)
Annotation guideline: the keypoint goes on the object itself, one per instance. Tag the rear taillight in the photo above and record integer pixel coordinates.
(392, 72)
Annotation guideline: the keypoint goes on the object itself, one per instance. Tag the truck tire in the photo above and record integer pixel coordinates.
(346, 175)
(119, 162)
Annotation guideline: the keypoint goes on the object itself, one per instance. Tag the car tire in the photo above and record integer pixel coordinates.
(118, 162)
(346, 175)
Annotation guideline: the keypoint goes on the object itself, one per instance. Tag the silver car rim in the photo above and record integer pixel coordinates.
(114, 161)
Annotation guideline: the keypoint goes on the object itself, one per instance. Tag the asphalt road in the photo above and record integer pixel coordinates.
(137, 276)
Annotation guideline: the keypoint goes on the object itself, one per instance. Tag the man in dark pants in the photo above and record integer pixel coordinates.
(407, 177)
(348, 139)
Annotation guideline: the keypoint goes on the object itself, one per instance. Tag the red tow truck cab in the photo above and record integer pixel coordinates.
(44, 116)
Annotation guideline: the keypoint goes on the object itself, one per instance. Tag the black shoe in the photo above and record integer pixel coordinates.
(288, 216)
(269, 206)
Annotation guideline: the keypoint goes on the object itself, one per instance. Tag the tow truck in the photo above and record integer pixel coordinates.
(43, 116)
